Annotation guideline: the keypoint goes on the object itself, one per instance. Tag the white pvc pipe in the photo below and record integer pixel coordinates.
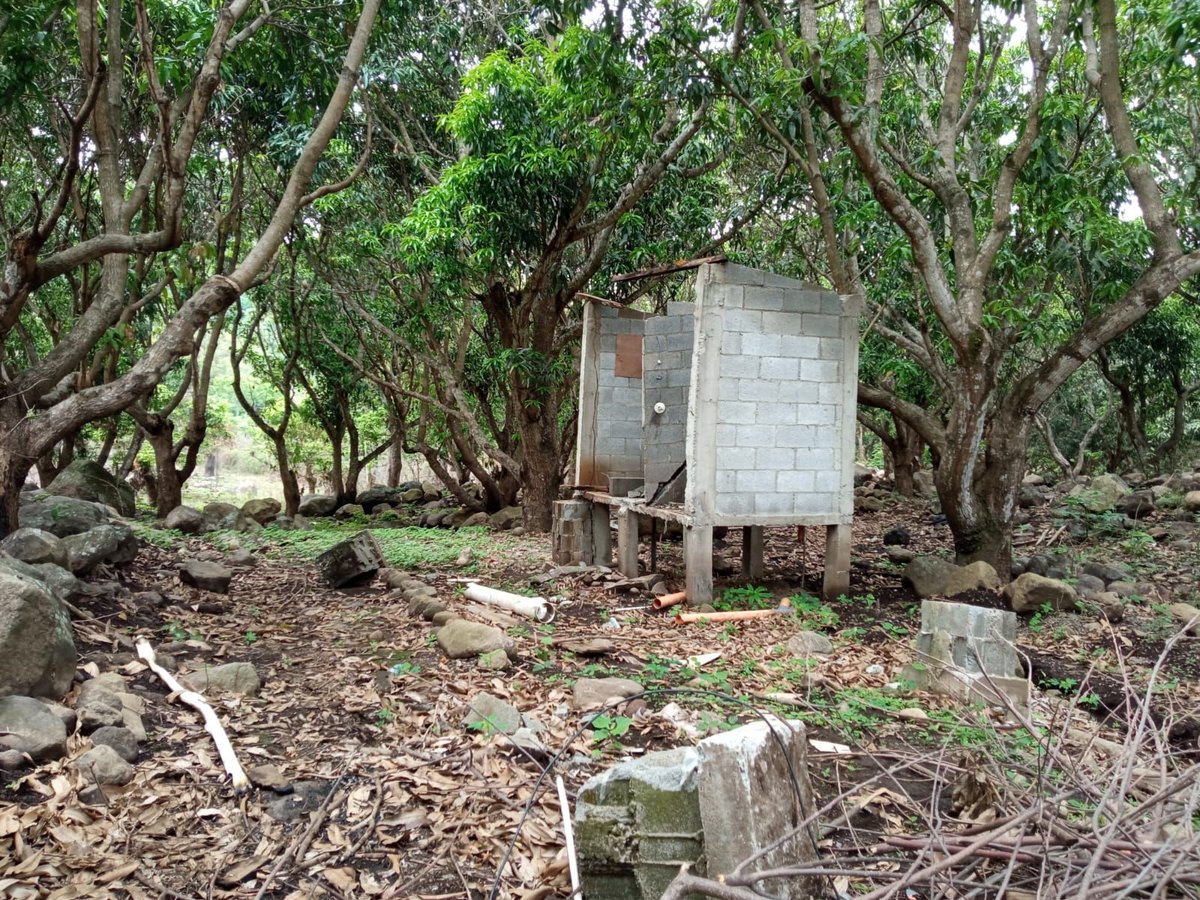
(569, 834)
(530, 607)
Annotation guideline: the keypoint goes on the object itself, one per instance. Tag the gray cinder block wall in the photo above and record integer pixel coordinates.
(610, 405)
(773, 390)
(667, 374)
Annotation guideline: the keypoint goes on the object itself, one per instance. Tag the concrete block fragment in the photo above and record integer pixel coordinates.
(751, 793)
(731, 344)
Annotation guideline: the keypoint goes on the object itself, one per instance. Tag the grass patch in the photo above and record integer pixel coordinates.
(408, 547)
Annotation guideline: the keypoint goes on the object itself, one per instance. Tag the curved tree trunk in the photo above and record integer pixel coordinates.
(980, 514)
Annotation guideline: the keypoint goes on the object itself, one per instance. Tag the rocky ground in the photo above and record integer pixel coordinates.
(396, 734)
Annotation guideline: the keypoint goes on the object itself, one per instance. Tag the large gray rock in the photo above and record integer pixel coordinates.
(185, 519)
(713, 806)
(378, 495)
(1191, 501)
(591, 692)
(353, 560)
(120, 739)
(462, 639)
(208, 576)
(350, 511)
(216, 513)
(84, 479)
(1101, 494)
(233, 678)
(491, 714)
(61, 516)
(32, 545)
(506, 518)
(103, 765)
(37, 648)
(1137, 505)
(317, 505)
(1030, 592)
(931, 576)
(30, 726)
(262, 511)
(112, 542)
(57, 580)
(807, 644)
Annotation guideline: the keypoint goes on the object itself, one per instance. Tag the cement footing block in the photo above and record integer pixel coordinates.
(712, 806)
(958, 644)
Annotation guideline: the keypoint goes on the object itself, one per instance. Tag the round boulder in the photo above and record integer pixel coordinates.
(84, 479)
(32, 545)
(317, 505)
(61, 516)
(185, 519)
(262, 511)
(37, 647)
(30, 726)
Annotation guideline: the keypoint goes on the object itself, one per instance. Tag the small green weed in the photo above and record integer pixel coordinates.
(606, 728)
(250, 637)
(748, 597)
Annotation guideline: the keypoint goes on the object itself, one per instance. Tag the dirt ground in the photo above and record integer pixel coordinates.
(394, 797)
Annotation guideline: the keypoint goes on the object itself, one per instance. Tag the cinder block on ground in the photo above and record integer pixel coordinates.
(713, 806)
(968, 652)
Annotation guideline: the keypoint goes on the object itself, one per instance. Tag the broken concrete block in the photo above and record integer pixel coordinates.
(712, 806)
(352, 560)
(958, 643)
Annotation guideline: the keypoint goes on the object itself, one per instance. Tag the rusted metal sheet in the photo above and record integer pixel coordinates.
(629, 356)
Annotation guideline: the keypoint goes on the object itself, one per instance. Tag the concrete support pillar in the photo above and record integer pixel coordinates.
(752, 552)
(837, 561)
(697, 560)
(601, 536)
(627, 542)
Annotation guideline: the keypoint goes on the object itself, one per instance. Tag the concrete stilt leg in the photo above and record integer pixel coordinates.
(627, 543)
(837, 561)
(697, 559)
(601, 536)
(752, 552)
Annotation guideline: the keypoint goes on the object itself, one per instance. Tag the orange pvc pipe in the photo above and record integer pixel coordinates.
(690, 618)
(669, 600)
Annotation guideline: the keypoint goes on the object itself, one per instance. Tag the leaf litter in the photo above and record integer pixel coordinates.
(407, 801)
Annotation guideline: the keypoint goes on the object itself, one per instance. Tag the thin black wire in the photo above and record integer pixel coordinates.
(652, 692)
